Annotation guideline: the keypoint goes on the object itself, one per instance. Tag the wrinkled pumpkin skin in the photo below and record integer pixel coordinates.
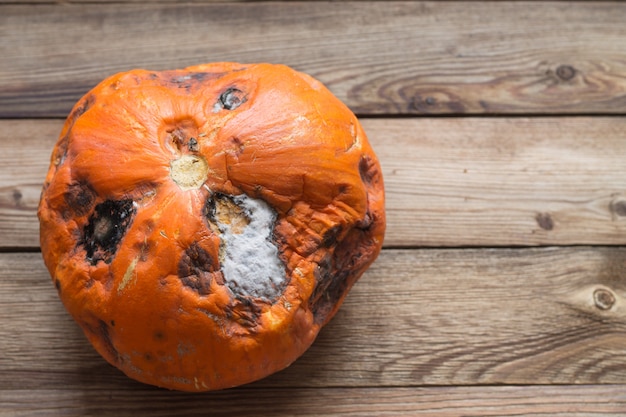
(156, 182)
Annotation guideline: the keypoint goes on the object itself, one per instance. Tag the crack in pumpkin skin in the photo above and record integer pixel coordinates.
(157, 261)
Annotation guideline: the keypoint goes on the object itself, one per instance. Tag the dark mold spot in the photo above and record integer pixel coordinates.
(331, 236)
(336, 273)
(192, 145)
(544, 220)
(237, 145)
(210, 207)
(186, 80)
(158, 335)
(245, 311)
(63, 143)
(367, 169)
(565, 72)
(331, 284)
(106, 228)
(80, 198)
(60, 154)
(366, 222)
(82, 108)
(105, 337)
(112, 323)
(232, 98)
(195, 269)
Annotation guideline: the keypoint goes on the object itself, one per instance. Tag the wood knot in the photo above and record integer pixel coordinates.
(565, 72)
(544, 220)
(618, 207)
(603, 299)
(18, 198)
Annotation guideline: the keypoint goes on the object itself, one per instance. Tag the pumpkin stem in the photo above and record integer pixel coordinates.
(189, 171)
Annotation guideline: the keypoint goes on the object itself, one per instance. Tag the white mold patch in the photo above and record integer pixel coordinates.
(248, 256)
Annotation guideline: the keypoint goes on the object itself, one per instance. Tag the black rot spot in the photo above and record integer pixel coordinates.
(106, 228)
(331, 236)
(232, 98)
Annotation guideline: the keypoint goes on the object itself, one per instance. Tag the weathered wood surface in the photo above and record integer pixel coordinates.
(416, 318)
(230, 1)
(449, 182)
(570, 401)
(461, 314)
(379, 57)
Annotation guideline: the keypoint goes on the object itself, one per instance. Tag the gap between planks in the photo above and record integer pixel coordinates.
(573, 401)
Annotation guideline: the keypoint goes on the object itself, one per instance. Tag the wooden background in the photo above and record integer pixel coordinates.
(501, 129)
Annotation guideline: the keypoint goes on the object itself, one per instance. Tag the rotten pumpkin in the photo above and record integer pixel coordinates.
(202, 225)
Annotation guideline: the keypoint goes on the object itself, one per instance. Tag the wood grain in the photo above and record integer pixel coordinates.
(571, 401)
(449, 181)
(379, 57)
(39, 2)
(416, 318)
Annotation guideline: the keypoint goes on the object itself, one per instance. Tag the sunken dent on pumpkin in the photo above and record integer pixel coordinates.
(249, 258)
(189, 171)
(106, 228)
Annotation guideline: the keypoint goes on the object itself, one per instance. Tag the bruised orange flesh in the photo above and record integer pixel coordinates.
(284, 139)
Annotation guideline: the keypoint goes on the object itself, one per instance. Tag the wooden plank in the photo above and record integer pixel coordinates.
(416, 318)
(379, 57)
(449, 182)
(39, 2)
(572, 401)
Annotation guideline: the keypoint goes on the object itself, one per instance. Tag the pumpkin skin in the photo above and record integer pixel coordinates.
(202, 225)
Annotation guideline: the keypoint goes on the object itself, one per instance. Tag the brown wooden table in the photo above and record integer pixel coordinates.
(501, 129)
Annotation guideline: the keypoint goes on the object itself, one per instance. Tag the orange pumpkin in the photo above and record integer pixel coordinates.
(201, 225)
